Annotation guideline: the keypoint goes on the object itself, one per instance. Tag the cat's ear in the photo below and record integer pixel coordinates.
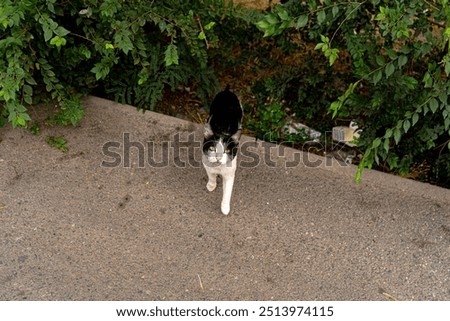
(236, 136)
(207, 132)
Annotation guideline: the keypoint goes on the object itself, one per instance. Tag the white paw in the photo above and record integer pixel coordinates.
(211, 186)
(225, 209)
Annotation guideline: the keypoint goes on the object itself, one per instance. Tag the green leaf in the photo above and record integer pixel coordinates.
(335, 106)
(415, 118)
(447, 67)
(392, 54)
(446, 122)
(388, 133)
(171, 55)
(410, 82)
(108, 8)
(50, 7)
(58, 41)
(302, 21)
(335, 10)
(282, 13)
(443, 97)
(427, 80)
(405, 49)
(61, 31)
(21, 121)
(389, 69)
(265, 26)
(325, 39)
(210, 25)
(333, 56)
(28, 100)
(270, 31)
(376, 157)
(48, 33)
(434, 104)
(57, 142)
(382, 14)
(271, 19)
(377, 76)
(380, 60)
(397, 135)
(402, 60)
(86, 52)
(12, 118)
(321, 16)
(406, 125)
(386, 144)
(201, 36)
(123, 42)
(321, 45)
(376, 143)
(101, 70)
(30, 80)
(27, 89)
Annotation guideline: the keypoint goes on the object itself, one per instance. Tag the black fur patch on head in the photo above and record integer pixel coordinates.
(232, 145)
(225, 115)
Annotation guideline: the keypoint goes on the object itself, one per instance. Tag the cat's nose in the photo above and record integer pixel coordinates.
(219, 156)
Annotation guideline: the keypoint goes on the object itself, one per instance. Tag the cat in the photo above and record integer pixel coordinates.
(221, 143)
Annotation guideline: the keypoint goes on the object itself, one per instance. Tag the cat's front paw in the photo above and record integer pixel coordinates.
(225, 209)
(211, 186)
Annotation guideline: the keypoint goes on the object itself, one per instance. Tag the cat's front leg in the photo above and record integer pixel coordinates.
(228, 182)
(212, 181)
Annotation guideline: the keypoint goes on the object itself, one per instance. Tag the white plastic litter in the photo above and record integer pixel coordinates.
(347, 134)
(293, 128)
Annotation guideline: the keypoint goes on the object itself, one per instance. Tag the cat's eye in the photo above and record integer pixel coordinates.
(227, 151)
(212, 148)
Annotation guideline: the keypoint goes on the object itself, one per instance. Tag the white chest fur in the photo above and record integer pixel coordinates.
(227, 171)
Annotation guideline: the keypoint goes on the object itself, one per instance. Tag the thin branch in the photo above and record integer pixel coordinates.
(346, 18)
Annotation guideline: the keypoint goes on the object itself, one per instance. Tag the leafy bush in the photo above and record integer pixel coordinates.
(400, 65)
(130, 50)
(268, 122)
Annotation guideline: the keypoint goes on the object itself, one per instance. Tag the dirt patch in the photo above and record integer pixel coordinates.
(256, 4)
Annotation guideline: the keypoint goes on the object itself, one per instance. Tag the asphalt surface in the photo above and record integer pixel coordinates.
(125, 215)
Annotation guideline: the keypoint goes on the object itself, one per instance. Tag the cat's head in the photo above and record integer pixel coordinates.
(223, 129)
(220, 148)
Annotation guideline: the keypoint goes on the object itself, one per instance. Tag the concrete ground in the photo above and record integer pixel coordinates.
(125, 215)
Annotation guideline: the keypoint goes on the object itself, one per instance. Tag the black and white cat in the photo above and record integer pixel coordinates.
(221, 143)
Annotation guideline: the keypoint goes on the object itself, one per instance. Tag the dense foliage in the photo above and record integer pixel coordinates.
(382, 63)
(128, 49)
(399, 89)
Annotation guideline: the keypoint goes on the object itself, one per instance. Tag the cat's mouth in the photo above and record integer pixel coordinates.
(217, 159)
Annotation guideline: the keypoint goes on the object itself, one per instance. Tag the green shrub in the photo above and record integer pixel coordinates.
(400, 66)
(268, 122)
(130, 50)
